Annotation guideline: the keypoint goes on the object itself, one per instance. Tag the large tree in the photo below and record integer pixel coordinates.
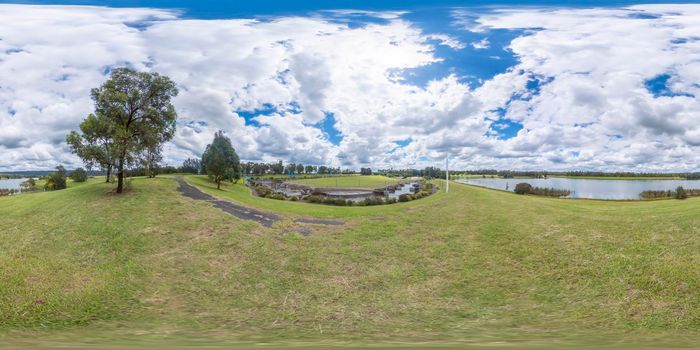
(134, 113)
(221, 161)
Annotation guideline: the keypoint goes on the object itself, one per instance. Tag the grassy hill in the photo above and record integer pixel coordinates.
(475, 265)
(354, 181)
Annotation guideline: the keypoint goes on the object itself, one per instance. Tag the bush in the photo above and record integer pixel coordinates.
(28, 185)
(523, 188)
(277, 196)
(314, 199)
(79, 175)
(373, 201)
(405, 198)
(262, 191)
(549, 192)
(56, 180)
(680, 193)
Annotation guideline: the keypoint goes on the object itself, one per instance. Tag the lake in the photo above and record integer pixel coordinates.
(11, 184)
(589, 188)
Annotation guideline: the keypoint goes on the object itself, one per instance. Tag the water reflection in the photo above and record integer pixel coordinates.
(589, 188)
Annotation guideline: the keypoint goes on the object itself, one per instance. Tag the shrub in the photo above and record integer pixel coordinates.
(28, 185)
(680, 193)
(373, 201)
(549, 192)
(277, 196)
(523, 188)
(314, 199)
(262, 191)
(79, 175)
(405, 198)
(655, 194)
(56, 180)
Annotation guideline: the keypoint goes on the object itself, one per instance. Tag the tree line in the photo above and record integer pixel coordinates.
(545, 173)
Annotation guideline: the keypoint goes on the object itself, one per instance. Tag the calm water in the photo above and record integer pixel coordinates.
(11, 184)
(588, 188)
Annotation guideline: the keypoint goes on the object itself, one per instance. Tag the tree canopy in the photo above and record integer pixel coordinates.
(133, 117)
(221, 161)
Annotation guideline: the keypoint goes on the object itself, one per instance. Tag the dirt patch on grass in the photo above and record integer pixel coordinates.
(318, 221)
(239, 211)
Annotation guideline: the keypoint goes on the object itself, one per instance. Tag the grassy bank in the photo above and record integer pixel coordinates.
(473, 266)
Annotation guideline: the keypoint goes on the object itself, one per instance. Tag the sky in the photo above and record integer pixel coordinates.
(524, 85)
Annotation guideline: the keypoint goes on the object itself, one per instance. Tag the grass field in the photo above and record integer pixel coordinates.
(474, 266)
(354, 181)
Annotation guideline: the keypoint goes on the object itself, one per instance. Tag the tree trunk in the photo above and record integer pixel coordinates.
(218, 184)
(120, 176)
(109, 173)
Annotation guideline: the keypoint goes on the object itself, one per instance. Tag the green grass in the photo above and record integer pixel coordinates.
(352, 181)
(474, 266)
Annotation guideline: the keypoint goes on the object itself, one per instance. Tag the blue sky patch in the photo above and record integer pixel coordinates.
(250, 115)
(659, 86)
(484, 54)
(504, 129)
(643, 15)
(327, 125)
(403, 143)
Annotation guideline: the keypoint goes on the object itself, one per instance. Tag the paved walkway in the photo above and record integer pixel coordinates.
(239, 211)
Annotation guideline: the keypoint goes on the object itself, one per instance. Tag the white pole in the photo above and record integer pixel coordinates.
(447, 173)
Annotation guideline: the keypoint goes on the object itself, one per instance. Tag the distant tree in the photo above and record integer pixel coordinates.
(309, 169)
(190, 166)
(221, 161)
(300, 168)
(322, 169)
(365, 171)
(79, 175)
(290, 168)
(56, 180)
(133, 112)
(277, 168)
(681, 193)
(523, 188)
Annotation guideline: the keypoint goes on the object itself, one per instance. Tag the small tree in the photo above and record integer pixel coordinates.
(79, 175)
(221, 161)
(309, 169)
(300, 168)
(680, 193)
(56, 180)
(523, 188)
(28, 185)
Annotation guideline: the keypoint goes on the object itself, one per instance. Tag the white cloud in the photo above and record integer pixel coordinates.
(592, 64)
(481, 44)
